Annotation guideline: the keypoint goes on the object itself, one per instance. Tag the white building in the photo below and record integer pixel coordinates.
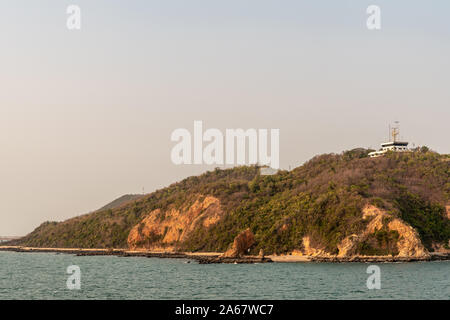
(394, 145)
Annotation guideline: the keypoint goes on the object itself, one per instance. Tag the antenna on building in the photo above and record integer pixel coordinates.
(393, 145)
(394, 131)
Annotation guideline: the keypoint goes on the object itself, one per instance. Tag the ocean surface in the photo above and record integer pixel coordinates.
(44, 276)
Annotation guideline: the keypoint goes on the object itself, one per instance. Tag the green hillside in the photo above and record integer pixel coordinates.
(322, 199)
(120, 201)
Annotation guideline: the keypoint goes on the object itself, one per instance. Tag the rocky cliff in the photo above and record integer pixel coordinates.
(165, 229)
(405, 242)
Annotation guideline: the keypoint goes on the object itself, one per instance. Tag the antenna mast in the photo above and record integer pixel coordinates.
(394, 131)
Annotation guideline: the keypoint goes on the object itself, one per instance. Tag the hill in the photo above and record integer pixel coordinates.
(120, 201)
(335, 204)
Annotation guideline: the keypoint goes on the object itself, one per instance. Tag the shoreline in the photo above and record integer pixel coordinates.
(215, 257)
(200, 257)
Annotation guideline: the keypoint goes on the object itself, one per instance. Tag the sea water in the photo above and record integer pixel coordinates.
(44, 276)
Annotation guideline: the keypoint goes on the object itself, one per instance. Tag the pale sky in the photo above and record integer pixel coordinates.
(86, 116)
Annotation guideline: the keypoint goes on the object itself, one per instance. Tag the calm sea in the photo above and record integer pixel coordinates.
(43, 276)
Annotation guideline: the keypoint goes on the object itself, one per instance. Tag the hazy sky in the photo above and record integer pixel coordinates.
(86, 116)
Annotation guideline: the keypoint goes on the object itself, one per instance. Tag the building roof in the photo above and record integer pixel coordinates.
(394, 143)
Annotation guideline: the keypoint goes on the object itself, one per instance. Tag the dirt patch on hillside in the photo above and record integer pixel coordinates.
(164, 229)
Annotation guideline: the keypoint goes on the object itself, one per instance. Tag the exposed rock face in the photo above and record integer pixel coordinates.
(261, 254)
(440, 248)
(346, 247)
(408, 243)
(163, 230)
(241, 244)
(310, 250)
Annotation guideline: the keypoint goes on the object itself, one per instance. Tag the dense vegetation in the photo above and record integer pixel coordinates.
(322, 199)
(121, 201)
